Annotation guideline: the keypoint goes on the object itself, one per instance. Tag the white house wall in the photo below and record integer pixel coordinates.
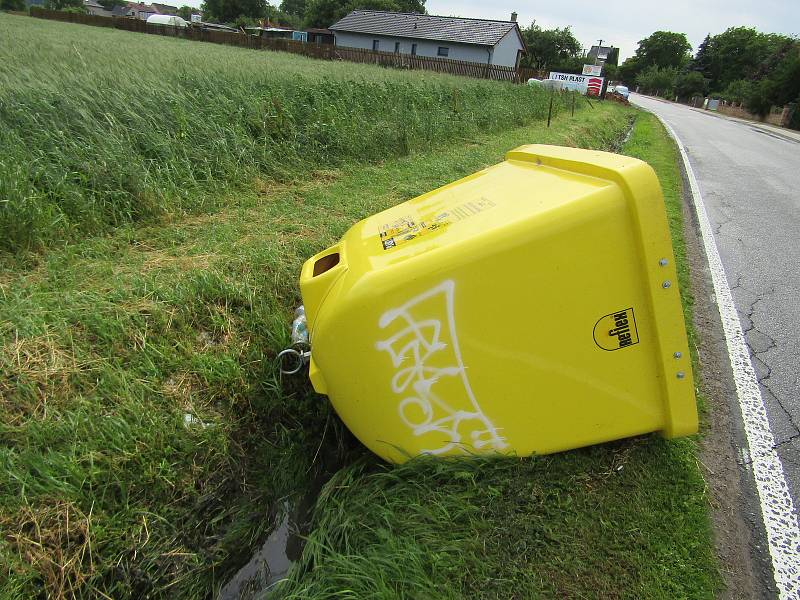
(505, 51)
(468, 52)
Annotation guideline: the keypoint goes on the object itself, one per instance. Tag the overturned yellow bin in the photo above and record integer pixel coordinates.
(529, 308)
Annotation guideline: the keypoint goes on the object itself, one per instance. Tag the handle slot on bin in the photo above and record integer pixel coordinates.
(326, 263)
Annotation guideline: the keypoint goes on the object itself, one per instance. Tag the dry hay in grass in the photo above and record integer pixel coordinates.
(157, 259)
(34, 373)
(184, 388)
(216, 340)
(270, 187)
(55, 539)
(7, 279)
(227, 335)
(322, 177)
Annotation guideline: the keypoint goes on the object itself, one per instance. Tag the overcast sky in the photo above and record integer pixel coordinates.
(623, 23)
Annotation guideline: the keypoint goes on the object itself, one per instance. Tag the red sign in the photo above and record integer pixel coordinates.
(593, 86)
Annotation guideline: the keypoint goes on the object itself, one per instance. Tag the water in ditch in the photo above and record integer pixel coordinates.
(269, 565)
(261, 577)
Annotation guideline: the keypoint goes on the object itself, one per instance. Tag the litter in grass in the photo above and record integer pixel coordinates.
(189, 420)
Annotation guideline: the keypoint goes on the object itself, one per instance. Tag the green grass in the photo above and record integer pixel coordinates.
(625, 520)
(106, 343)
(101, 127)
(622, 520)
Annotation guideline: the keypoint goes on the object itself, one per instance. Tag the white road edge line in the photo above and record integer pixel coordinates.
(777, 508)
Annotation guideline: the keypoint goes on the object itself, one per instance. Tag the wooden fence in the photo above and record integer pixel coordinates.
(320, 51)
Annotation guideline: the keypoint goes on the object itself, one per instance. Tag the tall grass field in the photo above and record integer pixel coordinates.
(157, 200)
(101, 128)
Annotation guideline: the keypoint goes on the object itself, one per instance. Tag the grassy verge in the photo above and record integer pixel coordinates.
(144, 436)
(101, 127)
(622, 520)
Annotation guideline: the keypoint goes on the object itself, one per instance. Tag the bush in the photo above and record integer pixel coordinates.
(737, 91)
(759, 100)
(655, 80)
(690, 84)
(17, 5)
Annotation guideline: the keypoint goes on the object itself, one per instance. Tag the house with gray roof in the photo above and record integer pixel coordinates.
(95, 8)
(475, 40)
(140, 10)
(120, 11)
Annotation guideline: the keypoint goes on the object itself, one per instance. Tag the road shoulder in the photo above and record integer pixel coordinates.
(716, 454)
(718, 458)
(745, 570)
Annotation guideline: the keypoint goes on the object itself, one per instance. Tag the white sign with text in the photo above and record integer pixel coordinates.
(585, 84)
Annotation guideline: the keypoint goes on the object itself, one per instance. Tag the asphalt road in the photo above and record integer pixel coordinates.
(749, 179)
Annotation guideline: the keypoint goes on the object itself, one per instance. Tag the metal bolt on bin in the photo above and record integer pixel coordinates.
(526, 309)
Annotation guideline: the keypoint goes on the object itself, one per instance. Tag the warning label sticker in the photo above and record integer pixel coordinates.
(616, 330)
(408, 228)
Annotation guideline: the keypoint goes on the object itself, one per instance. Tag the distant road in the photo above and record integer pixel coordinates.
(749, 178)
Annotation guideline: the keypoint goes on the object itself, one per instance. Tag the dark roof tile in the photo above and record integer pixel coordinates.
(427, 27)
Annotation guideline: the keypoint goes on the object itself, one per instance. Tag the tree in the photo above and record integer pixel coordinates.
(690, 83)
(551, 48)
(786, 76)
(702, 60)
(611, 72)
(323, 13)
(767, 67)
(73, 5)
(12, 4)
(613, 57)
(110, 4)
(284, 19)
(411, 6)
(185, 12)
(740, 53)
(759, 100)
(294, 7)
(658, 80)
(663, 49)
(758, 70)
(737, 91)
(227, 11)
(628, 70)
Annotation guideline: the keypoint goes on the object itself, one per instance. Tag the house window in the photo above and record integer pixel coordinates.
(376, 44)
(414, 49)
(396, 47)
(443, 51)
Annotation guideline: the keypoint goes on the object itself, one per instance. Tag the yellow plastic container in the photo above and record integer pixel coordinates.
(531, 307)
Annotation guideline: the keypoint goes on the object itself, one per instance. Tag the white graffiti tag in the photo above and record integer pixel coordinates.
(438, 402)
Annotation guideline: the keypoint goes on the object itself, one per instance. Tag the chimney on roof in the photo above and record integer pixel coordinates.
(514, 17)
